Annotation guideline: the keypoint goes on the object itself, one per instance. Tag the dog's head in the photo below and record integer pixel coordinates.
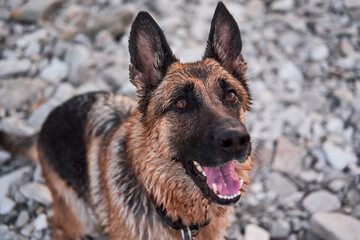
(199, 107)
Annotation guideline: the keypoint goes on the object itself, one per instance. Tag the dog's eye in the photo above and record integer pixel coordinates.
(231, 96)
(182, 104)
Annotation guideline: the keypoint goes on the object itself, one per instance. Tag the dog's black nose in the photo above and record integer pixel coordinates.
(232, 141)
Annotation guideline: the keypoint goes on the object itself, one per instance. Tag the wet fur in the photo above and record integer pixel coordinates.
(104, 155)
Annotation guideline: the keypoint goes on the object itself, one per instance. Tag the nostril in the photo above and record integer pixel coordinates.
(244, 139)
(226, 143)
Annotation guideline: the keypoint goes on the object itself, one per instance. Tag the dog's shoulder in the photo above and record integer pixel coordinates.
(70, 127)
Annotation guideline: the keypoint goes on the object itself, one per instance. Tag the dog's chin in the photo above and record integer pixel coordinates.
(218, 184)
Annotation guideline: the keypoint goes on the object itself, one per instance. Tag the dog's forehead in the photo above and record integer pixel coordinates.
(204, 73)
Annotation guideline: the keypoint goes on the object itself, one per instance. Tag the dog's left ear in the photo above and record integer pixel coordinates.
(224, 42)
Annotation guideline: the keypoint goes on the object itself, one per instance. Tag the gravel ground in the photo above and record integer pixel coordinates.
(304, 66)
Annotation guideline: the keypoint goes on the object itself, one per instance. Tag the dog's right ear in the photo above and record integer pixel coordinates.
(150, 54)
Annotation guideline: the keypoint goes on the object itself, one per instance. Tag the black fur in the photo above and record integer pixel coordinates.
(62, 142)
(134, 191)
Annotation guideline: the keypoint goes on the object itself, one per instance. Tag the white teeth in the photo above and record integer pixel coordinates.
(227, 197)
(199, 168)
(203, 173)
(241, 183)
(214, 188)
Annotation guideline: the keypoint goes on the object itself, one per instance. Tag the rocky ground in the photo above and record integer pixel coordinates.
(304, 66)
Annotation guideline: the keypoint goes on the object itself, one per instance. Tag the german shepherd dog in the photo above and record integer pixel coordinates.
(170, 166)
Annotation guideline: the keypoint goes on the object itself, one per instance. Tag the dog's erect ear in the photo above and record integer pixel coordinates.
(150, 54)
(224, 42)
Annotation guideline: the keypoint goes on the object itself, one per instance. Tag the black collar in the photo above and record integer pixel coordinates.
(178, 224)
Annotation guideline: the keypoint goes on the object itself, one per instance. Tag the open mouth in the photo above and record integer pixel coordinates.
(220, 184)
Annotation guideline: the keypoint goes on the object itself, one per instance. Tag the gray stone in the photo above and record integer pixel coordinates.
(282, 5)
(37, 192)
(279, 184)
(78, 58)
(115, 22)
(294, 116)
(352, 3)
(321, 201)
(32, 50)
(337, 185)
(280, 229)
(353, 197)
(338, 157)
(22, 218)
(254, 232)
(319, 51)
(6, 205)
(4, 156)
(35, 10)
(15, 92)
(55, 72)
(293, 200)
(34, 37)
(40, 222)
(11, 178)
(14, 67)
(335, 226)
(7, 234)
(335, 125)
(116, 75)
(104, 39)
(27, 230)
(287, 158)
(310, 176)
(289, 71)
(15, 126)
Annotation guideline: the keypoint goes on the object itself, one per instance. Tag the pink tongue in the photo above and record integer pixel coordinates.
(224, 177)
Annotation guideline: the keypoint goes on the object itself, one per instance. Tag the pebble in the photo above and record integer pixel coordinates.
(22, 218)
(55, 72)
(11, 178)
(40, 222)
(335, 226)
(15, 92)
(14, 67)
(335, 125)
(78, 59)
(319, 52)
(34, 37)
(289, 71)
(6, 205)
(37, 192)
(282, 5)
(321, 201)
(35, 10)
(4, 156)
(254, 232)
(287, 158)
(338, 157)
(279, 184)
(279, 229)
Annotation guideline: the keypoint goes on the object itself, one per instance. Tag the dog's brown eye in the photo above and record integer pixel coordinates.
(182, 104)
(231, 96)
